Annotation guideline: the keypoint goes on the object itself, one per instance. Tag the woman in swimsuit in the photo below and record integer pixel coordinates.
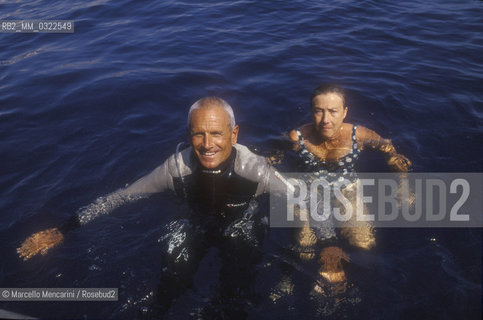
(329, 147)
(329, 142)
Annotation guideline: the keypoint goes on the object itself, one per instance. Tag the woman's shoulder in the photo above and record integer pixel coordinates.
(365, 133)
(366, 136)
(303, 130)
(348, 126)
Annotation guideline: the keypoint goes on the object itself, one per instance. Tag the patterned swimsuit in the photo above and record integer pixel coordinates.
(332, 171)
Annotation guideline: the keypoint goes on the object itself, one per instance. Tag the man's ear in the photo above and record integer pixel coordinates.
(234, 135)
(345, 111)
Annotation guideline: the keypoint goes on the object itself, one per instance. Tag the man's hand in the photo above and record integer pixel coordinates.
(39, 242)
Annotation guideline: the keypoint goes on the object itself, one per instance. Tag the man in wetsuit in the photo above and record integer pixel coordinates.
(219, 179)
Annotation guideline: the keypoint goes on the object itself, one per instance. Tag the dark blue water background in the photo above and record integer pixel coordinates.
(83, 114)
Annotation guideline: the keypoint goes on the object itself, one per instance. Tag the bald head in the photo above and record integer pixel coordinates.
(210, 102)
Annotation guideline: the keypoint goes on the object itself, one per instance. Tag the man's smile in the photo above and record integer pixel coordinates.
(208, 153)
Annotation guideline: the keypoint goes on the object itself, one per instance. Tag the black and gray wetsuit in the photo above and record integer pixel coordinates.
(221, 191)
(223, 215)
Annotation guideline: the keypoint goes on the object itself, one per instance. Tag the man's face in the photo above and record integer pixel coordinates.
(211, 136)
(328, 112)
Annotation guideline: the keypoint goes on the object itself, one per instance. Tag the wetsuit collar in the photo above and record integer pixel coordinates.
(222, 168)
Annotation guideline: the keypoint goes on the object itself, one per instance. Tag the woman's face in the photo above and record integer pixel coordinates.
(328, 111)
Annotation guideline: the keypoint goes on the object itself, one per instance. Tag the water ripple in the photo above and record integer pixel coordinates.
(94, 109)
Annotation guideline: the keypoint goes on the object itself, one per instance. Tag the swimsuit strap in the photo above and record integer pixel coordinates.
(301, 140)
(308, 157)
(354, 140)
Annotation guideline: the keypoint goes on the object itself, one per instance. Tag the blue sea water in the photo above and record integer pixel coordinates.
(83, 114)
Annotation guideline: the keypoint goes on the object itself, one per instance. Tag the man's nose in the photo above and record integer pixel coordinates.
(207, 141)
(325, 117)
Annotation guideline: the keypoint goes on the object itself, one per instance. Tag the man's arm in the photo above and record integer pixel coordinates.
(158, 180)
(256, 168)
(371, 140)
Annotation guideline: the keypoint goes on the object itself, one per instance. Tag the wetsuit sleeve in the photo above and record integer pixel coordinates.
(277, 182)
(158, 180)
(255, 168)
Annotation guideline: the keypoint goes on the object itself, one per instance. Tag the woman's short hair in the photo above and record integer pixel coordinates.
(327, 88)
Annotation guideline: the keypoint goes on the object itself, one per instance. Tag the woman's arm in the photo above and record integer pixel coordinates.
(369, 139)
(294, 137)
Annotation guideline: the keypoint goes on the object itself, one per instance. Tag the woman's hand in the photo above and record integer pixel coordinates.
(369, 139)
(39, 242)
(399, 163)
